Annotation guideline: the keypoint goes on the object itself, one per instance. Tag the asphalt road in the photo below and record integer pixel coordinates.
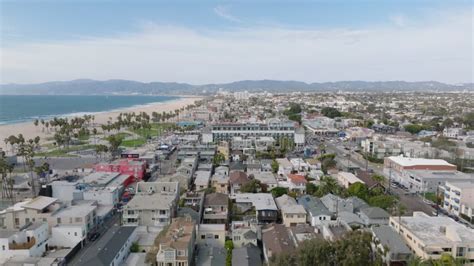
(411, 202)
(90, 247)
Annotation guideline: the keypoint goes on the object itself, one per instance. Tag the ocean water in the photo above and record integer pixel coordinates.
(23, 108)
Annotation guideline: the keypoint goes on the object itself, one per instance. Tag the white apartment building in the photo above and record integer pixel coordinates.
(453, 133)
(50, 210)
(459, 198)
(154, 204)
(380, 149)
(431, 236)
(219, 132)
(29, 241)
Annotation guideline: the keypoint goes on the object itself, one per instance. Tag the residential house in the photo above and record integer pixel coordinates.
(50, 210)
(346, 179)
(202, 179)
(297, 183)
(266, 210)
(315, 209)
(249, 255)
(216, 208)
(220, 183)
(291, 213)
(392, 246)
(211, 235)
(29, 241)
(176, 246)
(244, 233)
(266, 178)
(154, 204)
(374, 216)
(236, 180)
(276, 240)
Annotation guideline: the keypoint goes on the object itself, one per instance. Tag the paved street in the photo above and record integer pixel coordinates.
(89, 246)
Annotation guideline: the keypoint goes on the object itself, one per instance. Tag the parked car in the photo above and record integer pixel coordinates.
(94, 236)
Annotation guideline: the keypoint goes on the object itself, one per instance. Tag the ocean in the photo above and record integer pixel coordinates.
(24, 108)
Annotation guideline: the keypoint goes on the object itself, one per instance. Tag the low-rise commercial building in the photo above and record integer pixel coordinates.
(430, 237)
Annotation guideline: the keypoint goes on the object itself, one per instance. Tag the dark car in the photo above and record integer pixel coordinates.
(94, 236)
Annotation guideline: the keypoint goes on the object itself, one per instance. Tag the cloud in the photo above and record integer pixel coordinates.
(438, 49)
(223, 12)
(399, 20)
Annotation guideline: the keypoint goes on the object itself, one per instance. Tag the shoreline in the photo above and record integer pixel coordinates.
(29, 130)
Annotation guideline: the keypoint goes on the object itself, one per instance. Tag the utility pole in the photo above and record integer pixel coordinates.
(390, 177)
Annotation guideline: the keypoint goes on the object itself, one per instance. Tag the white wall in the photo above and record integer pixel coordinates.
(66, 236)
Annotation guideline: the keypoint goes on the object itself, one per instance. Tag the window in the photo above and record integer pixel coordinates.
(59, 220)
(78, 219)
(3, 247)
(75, 233)
(236, 238)
(460, 252)
(203, 236)
(216, 236)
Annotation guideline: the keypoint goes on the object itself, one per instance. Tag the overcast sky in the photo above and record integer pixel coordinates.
(215, 41)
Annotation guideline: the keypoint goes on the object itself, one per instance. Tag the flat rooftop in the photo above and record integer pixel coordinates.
(261, 201)
(405, 161)
(455, 175)
(430, 229)
(39, 203)
(100, 178)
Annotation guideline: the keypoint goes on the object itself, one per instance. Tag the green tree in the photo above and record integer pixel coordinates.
(229, 246)
(331, 112)
(295, 117)
(328, 185)
(383, 201)
(414, 128)
(358, 190)
(353, 249)
(253, 186)
(115, 141)
(279, 191)
(311, 188)
(218, 159)
(135, 247)
(275, 166)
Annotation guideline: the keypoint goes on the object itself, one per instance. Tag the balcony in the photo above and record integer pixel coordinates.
(161, 216)
(25, 245)
(216, 214)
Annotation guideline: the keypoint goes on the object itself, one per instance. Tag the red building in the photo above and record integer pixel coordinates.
(136, 168)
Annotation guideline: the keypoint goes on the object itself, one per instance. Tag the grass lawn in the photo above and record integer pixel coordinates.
(83, 137)
(133, 142)
(430, 196)
(156, 129)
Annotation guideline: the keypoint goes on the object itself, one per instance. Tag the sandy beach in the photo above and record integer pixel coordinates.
(29, 130)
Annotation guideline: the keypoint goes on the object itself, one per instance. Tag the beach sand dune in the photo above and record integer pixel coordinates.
(29, 130)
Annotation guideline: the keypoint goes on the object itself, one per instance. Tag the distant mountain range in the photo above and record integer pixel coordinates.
(108, 87)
